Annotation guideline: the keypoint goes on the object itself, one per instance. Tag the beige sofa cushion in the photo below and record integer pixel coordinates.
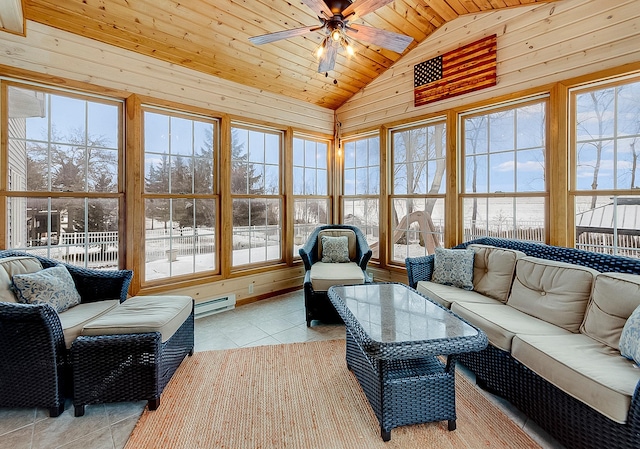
(141, 314)
(351, 237)
(324, 275)
(15, 265)
(556, 292)
(75, 318)
(589, 371)
(502, 323)
(447, 294)
(614, 297)
(493, 270)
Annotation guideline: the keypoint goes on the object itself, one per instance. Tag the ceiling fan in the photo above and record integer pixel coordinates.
(335, 17)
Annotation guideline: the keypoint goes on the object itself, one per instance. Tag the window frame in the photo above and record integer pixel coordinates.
(86, 195)
(614, 193)
(279, 196)
(426, 196)
(355, 196)
(514, 195)
(214, 195)
(300, 238)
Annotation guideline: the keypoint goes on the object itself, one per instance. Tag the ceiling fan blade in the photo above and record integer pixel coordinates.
(363, 7)
(278, 35)
(319, 7)
(328, 59)
(382, 38)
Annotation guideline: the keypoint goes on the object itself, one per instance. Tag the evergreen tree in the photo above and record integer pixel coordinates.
(245, 181)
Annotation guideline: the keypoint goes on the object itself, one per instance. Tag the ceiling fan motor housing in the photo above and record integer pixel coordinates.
(337, 6)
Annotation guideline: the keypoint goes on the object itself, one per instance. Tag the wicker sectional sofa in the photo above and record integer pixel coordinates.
(554, 317)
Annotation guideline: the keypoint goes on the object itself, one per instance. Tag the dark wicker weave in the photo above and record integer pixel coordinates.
(317, 304)
(405, 381)
(570, 421)
(35, 370)
(128, 367)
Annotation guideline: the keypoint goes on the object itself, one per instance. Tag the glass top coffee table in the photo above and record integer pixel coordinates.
(394, 336)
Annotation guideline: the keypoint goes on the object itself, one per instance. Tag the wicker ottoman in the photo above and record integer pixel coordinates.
(131, 352)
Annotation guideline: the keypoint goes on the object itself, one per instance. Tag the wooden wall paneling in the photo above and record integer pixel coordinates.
(390, 97)
(57, 54)
(265, 284)
(605, 39)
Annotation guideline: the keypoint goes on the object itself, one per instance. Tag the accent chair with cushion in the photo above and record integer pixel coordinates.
(333, 255)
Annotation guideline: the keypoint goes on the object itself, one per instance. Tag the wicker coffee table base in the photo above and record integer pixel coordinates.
(403, 392)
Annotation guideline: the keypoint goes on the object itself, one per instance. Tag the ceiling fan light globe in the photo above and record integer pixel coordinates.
(350, 50)
(319, 51)
(336, 35)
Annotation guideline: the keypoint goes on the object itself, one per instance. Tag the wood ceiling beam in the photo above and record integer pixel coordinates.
(12, 18)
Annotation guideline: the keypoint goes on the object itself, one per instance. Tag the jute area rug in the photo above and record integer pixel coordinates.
(300, 395)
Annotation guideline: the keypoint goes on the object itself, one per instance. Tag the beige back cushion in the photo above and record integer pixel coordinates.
(15, 265)
(555, 292)
(614, 297)
(493, 270)
(351, 238)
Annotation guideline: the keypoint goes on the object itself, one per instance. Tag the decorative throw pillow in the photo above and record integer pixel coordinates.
(453, 267)
(53, 285)
(335, 249)
(630, 337)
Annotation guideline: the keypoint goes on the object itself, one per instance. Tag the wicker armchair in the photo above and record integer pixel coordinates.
(35, 369)
(317, 304)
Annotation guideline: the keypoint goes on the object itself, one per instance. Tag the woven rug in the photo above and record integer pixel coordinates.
(300, 395)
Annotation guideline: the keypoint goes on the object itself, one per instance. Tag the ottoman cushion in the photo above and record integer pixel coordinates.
(141, 314)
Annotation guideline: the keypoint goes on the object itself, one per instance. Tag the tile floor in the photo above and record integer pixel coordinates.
(274, 321)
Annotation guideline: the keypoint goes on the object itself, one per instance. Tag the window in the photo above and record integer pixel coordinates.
(180, 193)
(361, 187)
(606, 145)
(64, 178)
(256, 194)
(311, 204)
(418, 188)
(504, 189)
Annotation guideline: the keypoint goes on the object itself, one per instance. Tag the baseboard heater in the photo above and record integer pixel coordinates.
(215, 305)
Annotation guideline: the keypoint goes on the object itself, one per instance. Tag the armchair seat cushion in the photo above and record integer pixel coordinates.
(324, 275)
(74, 319)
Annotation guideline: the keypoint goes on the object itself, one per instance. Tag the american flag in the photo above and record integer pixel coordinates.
(466, 69)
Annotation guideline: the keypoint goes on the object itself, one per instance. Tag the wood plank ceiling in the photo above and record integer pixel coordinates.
(211, 36)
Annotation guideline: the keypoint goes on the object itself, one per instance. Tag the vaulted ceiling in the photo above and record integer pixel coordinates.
(211, 36)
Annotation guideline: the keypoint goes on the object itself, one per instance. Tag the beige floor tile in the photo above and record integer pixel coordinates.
(100, 439)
